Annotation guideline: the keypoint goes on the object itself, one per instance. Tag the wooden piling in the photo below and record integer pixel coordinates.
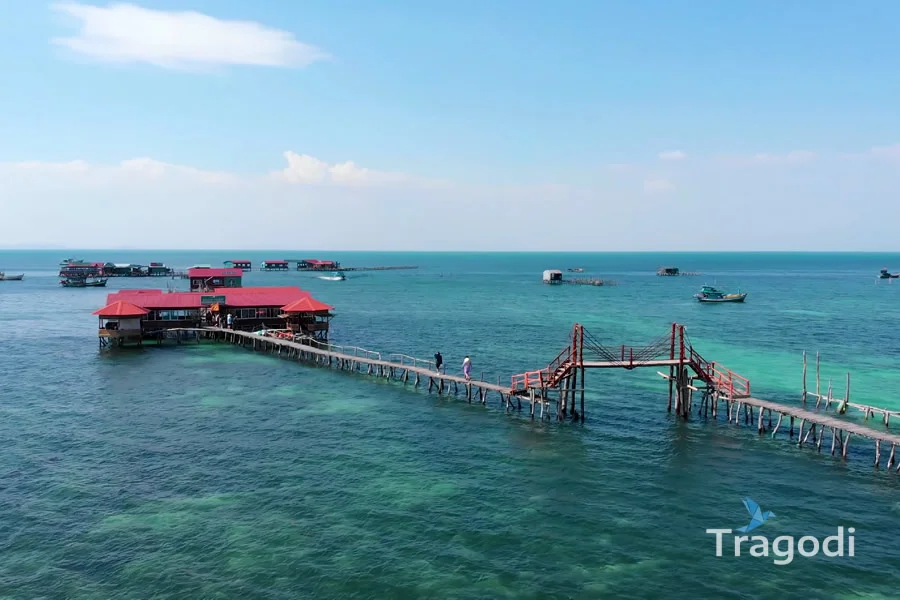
(803, 394)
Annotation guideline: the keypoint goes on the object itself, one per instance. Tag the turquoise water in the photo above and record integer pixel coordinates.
(211, 472)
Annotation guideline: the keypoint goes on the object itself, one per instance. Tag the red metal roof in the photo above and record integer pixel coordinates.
(306, 305)
(206, 273)
(263, 297)
(120, 308)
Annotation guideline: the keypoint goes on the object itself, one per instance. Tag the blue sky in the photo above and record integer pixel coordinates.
(779, 118)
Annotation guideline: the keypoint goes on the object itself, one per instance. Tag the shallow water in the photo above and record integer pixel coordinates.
(205, 471)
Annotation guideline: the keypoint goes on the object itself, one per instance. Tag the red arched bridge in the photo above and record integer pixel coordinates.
(674, 350)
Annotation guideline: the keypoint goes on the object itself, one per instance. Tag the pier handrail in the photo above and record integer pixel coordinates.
(542, 377)
(725, 380)
(406, 360)
(346, 350)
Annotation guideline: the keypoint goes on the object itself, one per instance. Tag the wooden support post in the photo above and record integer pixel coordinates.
(821, 437)
(818, 396)
(791, 433)
(671, 384)
(531, 399)
(759, 425)
(800, 438)
(833, 439)
(583, 382)
(416, 384)
(572, 410)
(846, 445)
(877, 453)
(891, 457)
(777, 425)
(887, 418)
(803, 395)
(770, 418)
(430, 384)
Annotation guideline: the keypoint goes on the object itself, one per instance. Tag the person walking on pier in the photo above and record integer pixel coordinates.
(438, 361)
(467, 368)
(228, 321)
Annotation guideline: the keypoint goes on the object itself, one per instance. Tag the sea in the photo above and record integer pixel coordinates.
(206, 471)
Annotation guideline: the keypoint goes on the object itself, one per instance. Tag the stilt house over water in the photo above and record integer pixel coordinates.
(150, 313)
(244, 265)
(204, 280)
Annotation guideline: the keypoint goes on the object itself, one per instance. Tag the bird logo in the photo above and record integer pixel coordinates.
(757, 516)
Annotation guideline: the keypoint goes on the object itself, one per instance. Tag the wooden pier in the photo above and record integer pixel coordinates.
(398, 367)
(585, 281)
(553, 389)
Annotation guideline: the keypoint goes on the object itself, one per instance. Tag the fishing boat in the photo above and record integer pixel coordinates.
(5, 277)
(335, 276)
(710, 294)
(885, 274)
(80, 282)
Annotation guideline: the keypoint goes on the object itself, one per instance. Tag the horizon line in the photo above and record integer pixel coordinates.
(113, 249)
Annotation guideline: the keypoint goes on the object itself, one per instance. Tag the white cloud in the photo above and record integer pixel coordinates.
(125, 33)
(672, 155)
(794, 157)
(305, 169)
(147, 168)
(148, 203)
(892, 152)
(658, 185)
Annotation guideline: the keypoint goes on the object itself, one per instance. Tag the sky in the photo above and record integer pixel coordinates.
(465, 125)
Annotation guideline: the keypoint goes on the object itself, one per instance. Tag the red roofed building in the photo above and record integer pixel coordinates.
(250, 308)
(120, 321)
(313, 264)
(308, 316)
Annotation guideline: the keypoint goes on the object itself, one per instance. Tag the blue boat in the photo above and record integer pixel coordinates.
(710, 294)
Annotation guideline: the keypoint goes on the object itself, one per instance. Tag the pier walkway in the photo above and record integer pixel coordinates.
(556, 386)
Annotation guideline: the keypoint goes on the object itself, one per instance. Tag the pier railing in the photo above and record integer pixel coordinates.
(405, 360)
(542, 377)
(354, 351)
(724, 380)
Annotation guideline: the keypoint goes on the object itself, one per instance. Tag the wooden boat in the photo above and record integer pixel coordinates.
(5, 277)
(336, 276)
(885, 274)
(710, 294)
(81, 282)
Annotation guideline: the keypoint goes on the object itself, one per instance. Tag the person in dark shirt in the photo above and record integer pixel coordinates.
(438, 361)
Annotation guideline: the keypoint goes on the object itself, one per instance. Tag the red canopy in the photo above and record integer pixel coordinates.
(306, 305)
(120, 309)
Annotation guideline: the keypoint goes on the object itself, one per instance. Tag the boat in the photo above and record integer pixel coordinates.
(5, 277)
(81, 282)
(710, 294)
(885, 274)
(335, 276)
(575, 270)
(71, 261)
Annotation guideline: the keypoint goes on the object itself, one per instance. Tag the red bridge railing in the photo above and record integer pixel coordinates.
(674, 346)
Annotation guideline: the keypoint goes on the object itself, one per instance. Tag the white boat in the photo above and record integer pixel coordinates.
(5, 277)
(336, 276)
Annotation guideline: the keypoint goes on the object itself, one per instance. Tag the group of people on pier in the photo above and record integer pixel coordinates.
(467, 365)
